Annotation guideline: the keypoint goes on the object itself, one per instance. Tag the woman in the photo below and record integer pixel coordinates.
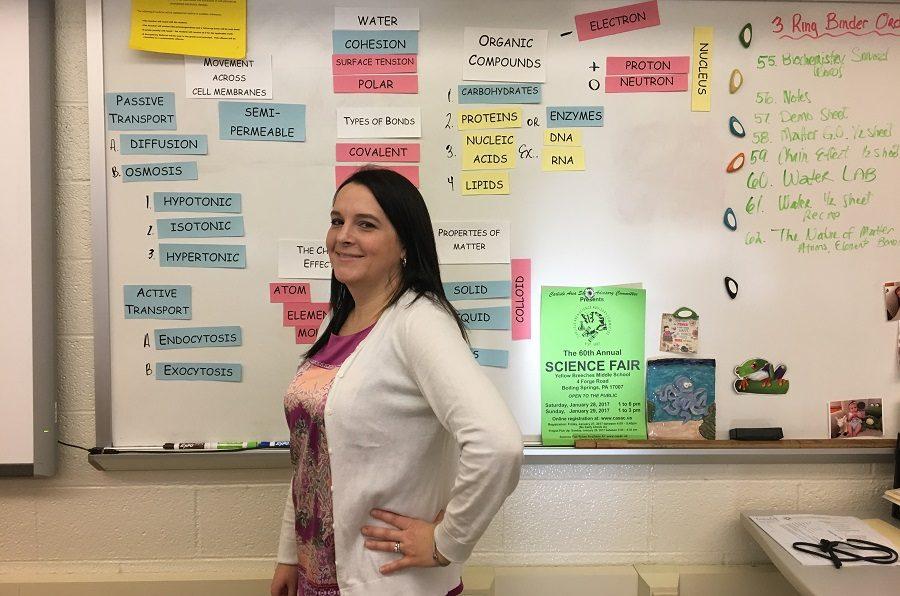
(403, 449)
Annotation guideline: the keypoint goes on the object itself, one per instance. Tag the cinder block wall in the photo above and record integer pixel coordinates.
(227, 521)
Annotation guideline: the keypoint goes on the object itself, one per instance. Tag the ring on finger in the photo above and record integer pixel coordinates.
(397, 548)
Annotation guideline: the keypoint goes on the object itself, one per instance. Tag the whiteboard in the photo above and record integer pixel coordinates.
(647, 209)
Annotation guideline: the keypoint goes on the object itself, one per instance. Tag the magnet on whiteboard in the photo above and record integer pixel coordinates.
(736, 163)
(731, 286)
(730, 219)
(735, 81)
(746, 35)
(736, 128)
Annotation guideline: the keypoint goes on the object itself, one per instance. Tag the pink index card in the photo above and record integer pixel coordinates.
(345, 64)
(411, 173)
(649, 83)
(310, 314)
(622, 65)
(520, 273)
(289, 292)
(306, 335)
(404, 83)
(407, 152)
(621, 19)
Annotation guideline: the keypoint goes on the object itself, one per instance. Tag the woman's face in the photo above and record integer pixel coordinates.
(362, 244)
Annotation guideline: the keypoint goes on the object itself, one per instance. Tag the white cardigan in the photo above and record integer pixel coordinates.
(414, 426)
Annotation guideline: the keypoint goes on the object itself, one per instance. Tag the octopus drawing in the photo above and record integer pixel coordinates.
(680, 398)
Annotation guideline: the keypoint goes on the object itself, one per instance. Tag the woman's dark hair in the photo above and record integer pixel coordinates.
(404, 206)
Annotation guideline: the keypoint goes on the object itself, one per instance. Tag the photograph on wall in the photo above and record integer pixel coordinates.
(855, 419)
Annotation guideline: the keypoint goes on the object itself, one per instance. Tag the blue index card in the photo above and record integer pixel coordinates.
(147, 144)
(492, 317)
(495, 358)
(199, 371)
(500, 93)
(574, 116)
(212, 202)
(176, 170)
(375, 42)
(476, 290)
(140, 111)
(248, 121)
(197, 337)
(157, 302)
(200, 227)
(224, 256)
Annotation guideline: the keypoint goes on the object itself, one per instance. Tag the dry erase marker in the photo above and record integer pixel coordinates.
(274, 444)
(180, 446)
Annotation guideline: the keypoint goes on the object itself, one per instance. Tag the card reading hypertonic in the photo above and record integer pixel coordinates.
(228, 78)
(217, 256)
(464, 242)
(157, 302)
(140, 111)
(303, 259)
(382, 122)
(517, 55)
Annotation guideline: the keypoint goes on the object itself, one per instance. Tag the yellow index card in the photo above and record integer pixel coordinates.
(485, 183)
(562, 159)
(488, 151)
(701, 69)
(498, 117)
(215, 28)
(562, 137)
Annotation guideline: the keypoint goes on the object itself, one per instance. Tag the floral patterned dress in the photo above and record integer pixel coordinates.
(304, 408)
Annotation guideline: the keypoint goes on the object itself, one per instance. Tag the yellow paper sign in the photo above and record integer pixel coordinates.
(562, 159)
(701, 73)
(499, 117)
(488, 151)
(485, 183)
(216, 28)
(562, 137)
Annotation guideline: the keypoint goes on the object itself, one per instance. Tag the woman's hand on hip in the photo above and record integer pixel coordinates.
(416, 538)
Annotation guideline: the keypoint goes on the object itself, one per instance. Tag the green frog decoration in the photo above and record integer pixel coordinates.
(758, 375)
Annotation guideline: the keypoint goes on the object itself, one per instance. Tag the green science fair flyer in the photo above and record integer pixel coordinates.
(592, 364)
